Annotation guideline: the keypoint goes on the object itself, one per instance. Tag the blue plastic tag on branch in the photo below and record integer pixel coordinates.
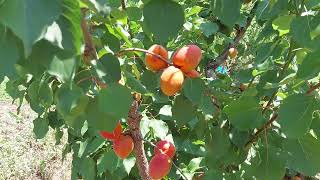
(221, 70)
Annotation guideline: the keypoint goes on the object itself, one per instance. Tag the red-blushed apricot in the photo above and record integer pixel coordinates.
(233, 52)
(192, 74)
(123, 146)
(171, 80)
(115, 134)
(160, 166)
(187, 58)
(153, 62)
(165, 147)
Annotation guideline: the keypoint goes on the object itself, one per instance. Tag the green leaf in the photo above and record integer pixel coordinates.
(63, 67)
(40, 127)
(134, 13)
(150, 80)
(244, 113)
(9, 52)
(228, 11)
(28, 19)
(182, 111)
(107, 68)
(193, 89)
(303, 155)
(209, 28)
(45, 94)
(134, 83)
(88, 169)
(295, 115)
(69, 23)
(206, 104)
(111, 41)
(299, 30)
(282, 24)
(194, 164)
(128, 164)
(271, 166)
(115, 101)
(108, 161)
(163, 18)
(159, 128)
(310, 66)
(98, 119)
(219, 144)
(70, 103)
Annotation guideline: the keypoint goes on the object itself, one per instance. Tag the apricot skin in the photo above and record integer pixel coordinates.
(192, 74)
(165, 147)
(171, 80)
(159, 166)
(153, 62)
(123, 146)
(233, 52)
(187, 58)
(115, 134)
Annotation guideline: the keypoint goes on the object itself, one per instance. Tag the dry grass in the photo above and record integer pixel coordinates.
(21, 155)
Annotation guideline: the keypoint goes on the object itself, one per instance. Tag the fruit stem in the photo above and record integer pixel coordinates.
(134, 125)
(176, 166)
(144, 51)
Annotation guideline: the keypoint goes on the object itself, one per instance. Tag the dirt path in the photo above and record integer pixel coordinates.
(21, 155)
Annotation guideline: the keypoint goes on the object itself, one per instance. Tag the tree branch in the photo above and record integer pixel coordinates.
(240, 33)
(313, 88)
(90, 52)
(144, 51)
(134, 118)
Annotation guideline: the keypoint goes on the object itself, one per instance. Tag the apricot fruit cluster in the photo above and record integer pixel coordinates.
(160, 164)
(122, 144)
(184, 60)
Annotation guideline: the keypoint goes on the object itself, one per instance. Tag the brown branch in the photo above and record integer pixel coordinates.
(90, 52)
(313, 88)
(240, 33)
(261, 130)
(134, 119)
(144, 51)
(273, 118)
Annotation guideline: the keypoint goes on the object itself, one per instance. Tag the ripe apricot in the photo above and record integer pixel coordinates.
(123, 146)
(233, 52)
(115, 134)
(193, 74)
(165, 147)
(171, 80)
(153, 62)
(187, 58)
(159, 166)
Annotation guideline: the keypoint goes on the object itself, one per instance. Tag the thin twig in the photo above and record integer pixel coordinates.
(177, 167)
(144, 51)
(313, 88)
(261, 130)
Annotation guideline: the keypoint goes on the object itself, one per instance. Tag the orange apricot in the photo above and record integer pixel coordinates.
(187, 58)
(171, 80)
(192, 74)
(233, 52)
(165, 147)
(160, 166)
(123, 146)
(153, 62)
(115, 134)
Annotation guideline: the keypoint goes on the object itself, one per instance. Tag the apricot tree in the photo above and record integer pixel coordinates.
(151, 89)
